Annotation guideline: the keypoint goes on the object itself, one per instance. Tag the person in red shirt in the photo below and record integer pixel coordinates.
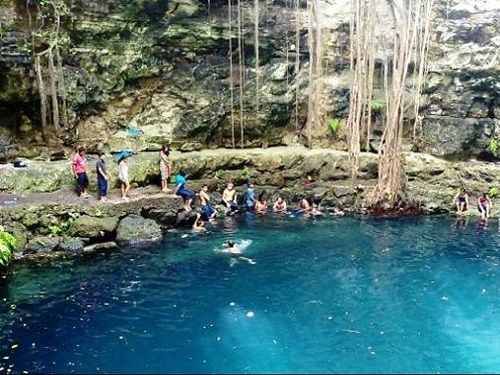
(79, 168)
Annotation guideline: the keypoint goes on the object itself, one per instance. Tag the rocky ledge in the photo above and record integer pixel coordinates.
(38, 206)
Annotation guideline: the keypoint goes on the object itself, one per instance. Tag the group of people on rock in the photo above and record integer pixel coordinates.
(80, 169)
(461, 202)
(229, 195)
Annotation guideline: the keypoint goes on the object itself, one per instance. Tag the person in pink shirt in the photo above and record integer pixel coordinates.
(79, 168)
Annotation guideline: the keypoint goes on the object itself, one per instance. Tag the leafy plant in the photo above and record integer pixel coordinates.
(492, 192)
(55, 230)
(219, 174)
(493, 146)
(246, 172)
(377, 104)
(8, 244)
(334, 125)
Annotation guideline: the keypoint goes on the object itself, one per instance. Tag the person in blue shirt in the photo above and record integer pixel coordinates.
(250, 199)
(182, 191)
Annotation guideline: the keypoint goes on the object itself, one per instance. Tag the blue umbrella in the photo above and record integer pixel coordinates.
(117, 155)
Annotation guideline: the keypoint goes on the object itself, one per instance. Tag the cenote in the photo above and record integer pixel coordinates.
(340, 295)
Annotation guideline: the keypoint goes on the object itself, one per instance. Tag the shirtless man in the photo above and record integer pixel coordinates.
(280, 205)
(208, 212)
(304, 205)
(229, 197)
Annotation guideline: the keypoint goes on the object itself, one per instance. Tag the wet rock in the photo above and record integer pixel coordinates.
(94, 228)
(71, 245)
(185, 219)
(136, 231)
(103, 246)
(41, 244)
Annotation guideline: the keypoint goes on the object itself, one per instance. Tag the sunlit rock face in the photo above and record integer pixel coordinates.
(163, 67)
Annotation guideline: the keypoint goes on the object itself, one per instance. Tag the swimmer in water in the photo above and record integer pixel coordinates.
(236, 253)
(199, 225)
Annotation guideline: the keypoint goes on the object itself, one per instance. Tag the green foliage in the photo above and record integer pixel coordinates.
(493, 146)
(334, 125)
(246, 172)
(219, 174)
(493, 192)
(8, 244)
(55, 230)
(377, 104)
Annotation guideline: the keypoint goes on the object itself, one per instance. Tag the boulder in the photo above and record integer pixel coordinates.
(41, 244)
(185, 219)
(94, 227)
(134, 230)
(71, 245)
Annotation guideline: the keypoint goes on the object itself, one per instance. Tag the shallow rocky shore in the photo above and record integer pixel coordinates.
(39, 207)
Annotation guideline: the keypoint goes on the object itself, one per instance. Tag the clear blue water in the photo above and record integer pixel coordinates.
(340, 295)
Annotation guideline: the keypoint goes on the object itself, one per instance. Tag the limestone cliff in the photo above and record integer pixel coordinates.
(163, 67)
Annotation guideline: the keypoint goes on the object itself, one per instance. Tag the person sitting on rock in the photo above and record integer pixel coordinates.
(229, 197)
(484, 206)
(461, 201)
(279, 205)
(208, 212)
(182, 191)
(304, 205)
(199, 225)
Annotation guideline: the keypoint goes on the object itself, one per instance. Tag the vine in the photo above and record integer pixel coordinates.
(47, 42)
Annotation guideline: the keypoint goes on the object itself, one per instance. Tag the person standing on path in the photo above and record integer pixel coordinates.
(102, 177)
(165, 168)
(123, 176)
(79, 168)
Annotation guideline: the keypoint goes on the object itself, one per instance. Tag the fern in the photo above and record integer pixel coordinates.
(8, 244)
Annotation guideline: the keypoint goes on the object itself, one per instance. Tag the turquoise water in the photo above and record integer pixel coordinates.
(340, 295)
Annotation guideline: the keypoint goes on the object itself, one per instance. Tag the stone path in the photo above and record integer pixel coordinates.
(68, 196)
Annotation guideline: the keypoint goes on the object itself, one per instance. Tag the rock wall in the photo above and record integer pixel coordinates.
(163, 67)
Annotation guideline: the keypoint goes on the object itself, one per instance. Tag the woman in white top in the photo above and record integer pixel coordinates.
(165, 167)
(123, 176)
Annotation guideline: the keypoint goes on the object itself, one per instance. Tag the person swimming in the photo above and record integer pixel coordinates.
(199, 225)
(236, 251)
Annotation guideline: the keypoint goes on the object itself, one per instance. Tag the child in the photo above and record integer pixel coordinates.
(182, 191)
(250, 197)
(123, 176)
(208, 212)
(102, 177)
(229, 197)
